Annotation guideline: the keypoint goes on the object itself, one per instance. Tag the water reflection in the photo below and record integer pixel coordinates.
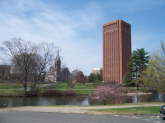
(70, 100)
(43, 101)
(147, 98)
(135, 99)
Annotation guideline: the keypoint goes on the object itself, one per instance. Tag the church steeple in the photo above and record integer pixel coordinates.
(57, 66)
(57, 60)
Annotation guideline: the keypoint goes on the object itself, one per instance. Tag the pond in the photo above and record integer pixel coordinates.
(69, 100)
(43, 101)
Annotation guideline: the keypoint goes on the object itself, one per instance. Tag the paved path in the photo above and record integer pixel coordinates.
(38, 117)
(72, 109)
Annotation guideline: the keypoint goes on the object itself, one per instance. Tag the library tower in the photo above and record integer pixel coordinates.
(116, 50)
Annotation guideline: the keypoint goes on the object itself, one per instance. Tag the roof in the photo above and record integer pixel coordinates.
(115, 21)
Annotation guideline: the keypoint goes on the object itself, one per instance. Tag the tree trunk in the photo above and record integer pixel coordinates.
(25, 84)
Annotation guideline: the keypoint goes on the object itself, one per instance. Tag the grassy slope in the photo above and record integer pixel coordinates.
(15, 89)
(132, 111)
(10, 85)
(11, 89)
(11, 92)
(78, 88)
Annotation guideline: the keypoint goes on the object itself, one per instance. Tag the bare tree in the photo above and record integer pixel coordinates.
(31, 61)
(46, 55)
(21, 55)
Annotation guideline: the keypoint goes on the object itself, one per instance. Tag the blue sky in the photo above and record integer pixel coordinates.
(76, 25)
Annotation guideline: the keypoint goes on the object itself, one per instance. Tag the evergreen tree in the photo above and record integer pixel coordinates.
(95, 77)
(128, 79)
(136, 66)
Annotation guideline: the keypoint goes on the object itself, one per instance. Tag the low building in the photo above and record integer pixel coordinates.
(5, 72)
(65, 74)
(97, 71)
(78, 76)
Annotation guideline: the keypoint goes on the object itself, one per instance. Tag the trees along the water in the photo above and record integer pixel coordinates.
(154, 76)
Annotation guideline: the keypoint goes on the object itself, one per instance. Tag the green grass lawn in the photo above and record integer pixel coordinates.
(11, 89)
(11, 92)
(16, 89)
(134, 89)
(10, 85)
(132, 111)
(79, 88)
(76, 86)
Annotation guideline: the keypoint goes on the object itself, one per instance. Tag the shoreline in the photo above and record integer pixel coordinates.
(79, 109)
(76, 94)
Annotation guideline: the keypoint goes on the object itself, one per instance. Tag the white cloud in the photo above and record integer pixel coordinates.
(36, 21)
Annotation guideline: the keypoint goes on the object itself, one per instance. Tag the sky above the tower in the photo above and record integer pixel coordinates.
(76, 25)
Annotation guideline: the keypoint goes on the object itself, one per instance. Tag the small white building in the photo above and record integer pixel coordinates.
(96, 71)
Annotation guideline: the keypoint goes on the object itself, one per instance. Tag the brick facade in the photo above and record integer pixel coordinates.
(116, 50)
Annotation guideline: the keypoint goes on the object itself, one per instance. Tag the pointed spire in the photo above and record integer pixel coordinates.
(58, 53)
(57, 59)
(57, 56)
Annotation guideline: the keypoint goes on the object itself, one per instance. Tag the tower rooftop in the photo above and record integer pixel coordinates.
(115, 21)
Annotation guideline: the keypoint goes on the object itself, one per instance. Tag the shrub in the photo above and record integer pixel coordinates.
(107, 94)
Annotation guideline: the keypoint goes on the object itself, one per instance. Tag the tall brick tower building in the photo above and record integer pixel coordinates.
(116, 50)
